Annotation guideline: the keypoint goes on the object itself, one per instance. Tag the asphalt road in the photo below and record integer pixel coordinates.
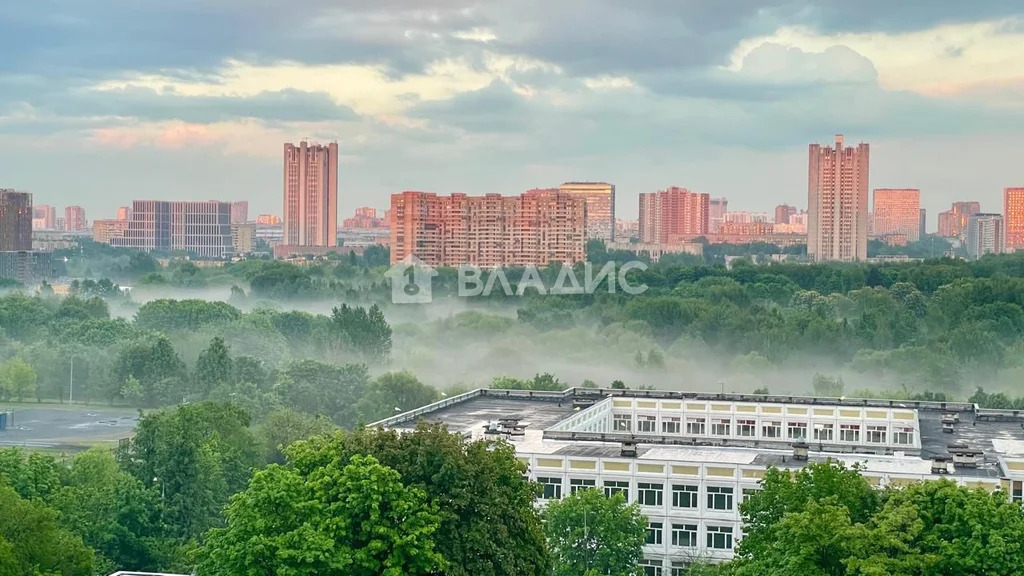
(71, 427)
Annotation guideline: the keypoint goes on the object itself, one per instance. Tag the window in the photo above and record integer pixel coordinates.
(695, 426)
(577, 484)
(903, 436)
(678, 569)
(613, 487)
(649, 494)
(849, 432)
(552, 488)
(1017, 491)
(646, 423)
(652, 567)
(876, 434)
(720, 427)
(746, 428)
(671, 425)
(747, 493)
(719, 498)
(684, 535)
(720, 537)
(771, 430)
(654, 532)
(621, 422)
(797, 431)
(823, 432)
(684, 496)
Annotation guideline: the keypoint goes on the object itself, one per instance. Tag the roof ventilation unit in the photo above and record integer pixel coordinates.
(628, 449)
(800, 451)
(940, 464)
(965, 456)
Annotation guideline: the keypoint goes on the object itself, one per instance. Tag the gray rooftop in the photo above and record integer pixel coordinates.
(977, 429)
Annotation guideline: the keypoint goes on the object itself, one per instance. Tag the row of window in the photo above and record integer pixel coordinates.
(746, 428)
(684, 496)
(685, 535)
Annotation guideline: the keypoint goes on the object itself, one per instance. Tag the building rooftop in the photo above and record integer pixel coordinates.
(577, 422)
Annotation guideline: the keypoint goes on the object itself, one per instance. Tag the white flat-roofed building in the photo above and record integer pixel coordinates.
(690, 459)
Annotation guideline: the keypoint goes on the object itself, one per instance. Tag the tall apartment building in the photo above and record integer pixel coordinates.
(536, 228)
(200, 228)
(105, 230)
(897, 211)
(923, 222)
(243, 237)
(1013, 218)
(717, 208)
(953, 222)
(600, 207)
(15, 220)
(124, 213)
(837, 202)
(74, 219)
(783, 212)
(671, 213)
(239, 212)
(311, 194)
(44, 217)
(985, 235)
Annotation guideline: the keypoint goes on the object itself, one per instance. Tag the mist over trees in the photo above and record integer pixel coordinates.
(254, 379)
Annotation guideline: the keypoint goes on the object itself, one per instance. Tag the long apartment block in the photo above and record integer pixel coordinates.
(690, 459)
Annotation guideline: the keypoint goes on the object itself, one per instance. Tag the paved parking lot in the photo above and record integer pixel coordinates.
(66, 427)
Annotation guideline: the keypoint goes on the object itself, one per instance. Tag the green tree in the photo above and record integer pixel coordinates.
(196, 456)
(784, 493)
(350, 517)
(827, 386)
(590, 534)
(33, 544)
(212, 368)
(391, 393)
(284, 426)
(318, 388)
(17, 379)
(473, 484)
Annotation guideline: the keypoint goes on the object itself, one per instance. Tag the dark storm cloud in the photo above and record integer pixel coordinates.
(73, 37)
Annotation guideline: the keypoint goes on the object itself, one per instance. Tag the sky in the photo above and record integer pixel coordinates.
(106, 101)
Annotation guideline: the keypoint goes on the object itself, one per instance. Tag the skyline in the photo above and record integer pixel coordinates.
(481, 96)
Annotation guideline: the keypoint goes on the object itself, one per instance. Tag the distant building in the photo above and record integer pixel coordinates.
(717, 208)
(104, 230)
(783, 212)
(26, 266)
(600, 210)
(923, 225)
(15, 220)
(744, 217)
(268, 220)
(626, 229)
(953, 222)
(897, 212)
(537, 228)
(656, 251)
(311, 194)
(1013, 218)
(985, 235)
(894, 239)
(746, 229)
(199, 228)
(365, 218)
(44, 217)
(239, 212)
(673, 211)
(124, 213)
(837, 202)
(243, 238)
(74, 219)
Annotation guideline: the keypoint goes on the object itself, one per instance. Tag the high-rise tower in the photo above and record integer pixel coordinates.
(311, 194)
(837, 202)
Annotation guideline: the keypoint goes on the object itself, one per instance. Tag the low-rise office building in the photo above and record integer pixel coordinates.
(690, 459)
